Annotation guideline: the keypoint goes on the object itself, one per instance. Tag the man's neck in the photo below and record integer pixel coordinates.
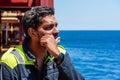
(39, 53)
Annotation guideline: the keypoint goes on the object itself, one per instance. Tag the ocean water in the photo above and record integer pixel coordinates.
(95, 54)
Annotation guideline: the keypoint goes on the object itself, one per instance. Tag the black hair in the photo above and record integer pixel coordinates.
(33, 17)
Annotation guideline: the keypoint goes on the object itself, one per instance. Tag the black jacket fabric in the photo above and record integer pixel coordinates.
(26, 71)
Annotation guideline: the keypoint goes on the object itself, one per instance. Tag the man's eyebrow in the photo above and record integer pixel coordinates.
(51, 24)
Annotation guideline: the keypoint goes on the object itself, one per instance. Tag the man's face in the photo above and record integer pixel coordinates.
(48, 27)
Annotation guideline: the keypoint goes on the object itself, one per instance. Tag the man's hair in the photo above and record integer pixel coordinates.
(33, 17)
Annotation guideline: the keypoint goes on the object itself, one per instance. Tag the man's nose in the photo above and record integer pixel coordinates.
(55, 30)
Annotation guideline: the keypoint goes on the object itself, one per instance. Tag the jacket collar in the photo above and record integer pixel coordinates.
(30, 55)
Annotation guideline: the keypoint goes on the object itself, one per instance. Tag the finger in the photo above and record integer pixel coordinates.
(46, 39)
(43, 43)
(58, 39)
(48, 36)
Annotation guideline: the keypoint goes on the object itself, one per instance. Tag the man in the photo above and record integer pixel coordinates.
(39, 57)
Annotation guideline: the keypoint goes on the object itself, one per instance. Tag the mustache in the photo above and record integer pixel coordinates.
(55, 35)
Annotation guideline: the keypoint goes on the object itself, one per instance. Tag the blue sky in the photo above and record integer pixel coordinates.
(88, 14)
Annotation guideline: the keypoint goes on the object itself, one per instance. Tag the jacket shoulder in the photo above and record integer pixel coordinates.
(9, 59)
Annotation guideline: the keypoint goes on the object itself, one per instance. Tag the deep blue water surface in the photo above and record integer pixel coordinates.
(95, 54)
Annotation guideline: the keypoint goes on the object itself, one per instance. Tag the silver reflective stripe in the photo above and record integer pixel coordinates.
(1, 73)
(23, 70)
(20, 59)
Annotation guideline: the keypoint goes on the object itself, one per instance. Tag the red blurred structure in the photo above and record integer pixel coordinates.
(11, 12)
(24, 3)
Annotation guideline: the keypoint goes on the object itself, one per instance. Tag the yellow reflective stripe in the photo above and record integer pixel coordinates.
(26, 61)
(62, 49)
(10, 59)
(20, 48)
(50, 58)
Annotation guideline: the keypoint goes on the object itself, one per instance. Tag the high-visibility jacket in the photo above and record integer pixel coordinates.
(19, 57)
(16, 65)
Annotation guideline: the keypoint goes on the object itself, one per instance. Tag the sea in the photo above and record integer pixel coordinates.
(94, 53)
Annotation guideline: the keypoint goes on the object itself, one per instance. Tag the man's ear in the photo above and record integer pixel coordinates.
(32, 32)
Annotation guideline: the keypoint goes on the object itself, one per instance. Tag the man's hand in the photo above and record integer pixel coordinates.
(51, 43)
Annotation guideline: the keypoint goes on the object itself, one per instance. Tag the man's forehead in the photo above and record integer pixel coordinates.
(49, 19)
